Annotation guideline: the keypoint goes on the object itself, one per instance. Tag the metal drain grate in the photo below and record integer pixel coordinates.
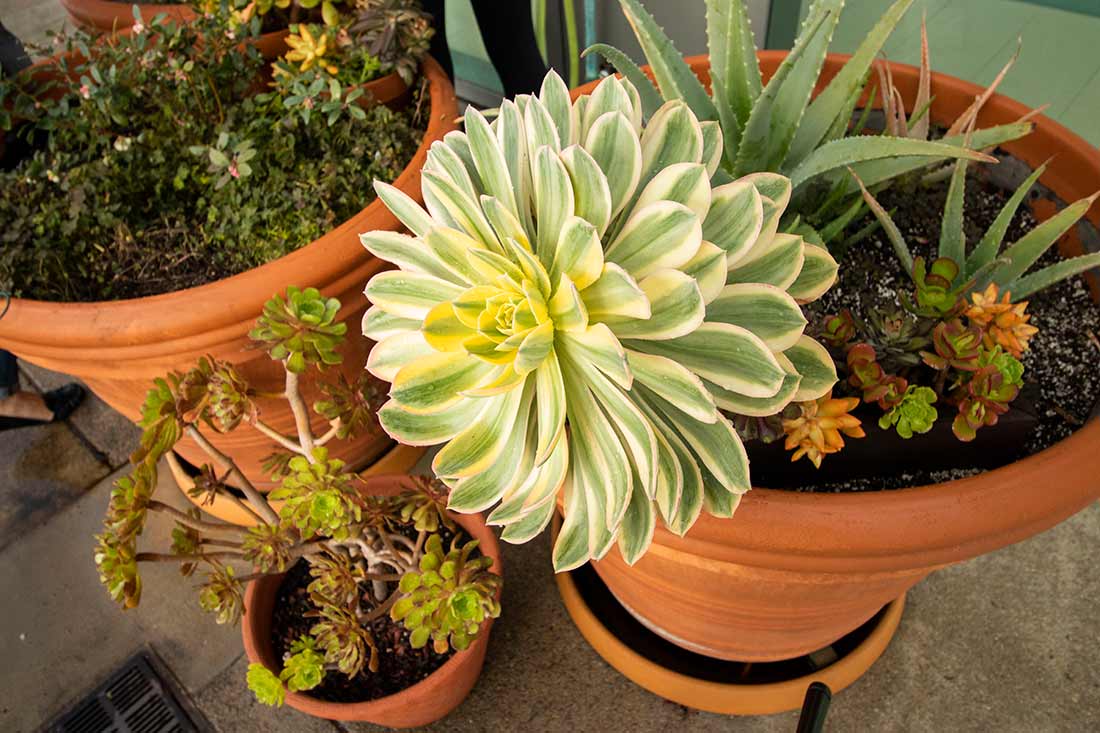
(135, 699)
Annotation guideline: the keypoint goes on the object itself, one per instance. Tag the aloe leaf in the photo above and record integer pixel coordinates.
(850, 150)
(837, 225)
(901, 249)
(952, 236)
(734, 70)
(1032, 245)
(772, 124)
(1036, 281)
(674, 77)
(990, 244)
(647, 93)
(919, 123)
(874, 172)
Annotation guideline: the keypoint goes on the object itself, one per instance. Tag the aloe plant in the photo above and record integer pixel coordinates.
(777, 127)
(574, 307)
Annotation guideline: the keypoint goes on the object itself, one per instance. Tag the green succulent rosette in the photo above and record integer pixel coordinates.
(575, 307)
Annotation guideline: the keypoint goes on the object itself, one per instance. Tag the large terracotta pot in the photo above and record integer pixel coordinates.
(423, 703)
(111, 15)
(792, 572)
(118, 347)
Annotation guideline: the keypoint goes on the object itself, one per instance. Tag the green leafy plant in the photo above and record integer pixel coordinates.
(160, 161)
(913, 413)
(360, 550)
(577, 274)
(776, 126)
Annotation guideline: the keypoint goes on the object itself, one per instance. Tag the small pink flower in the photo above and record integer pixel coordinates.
(85, 91)
(233, 169)
(139, 27)
(231, 35)
(308, 102)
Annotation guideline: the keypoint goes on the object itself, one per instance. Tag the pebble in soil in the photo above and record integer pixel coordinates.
(400, 666)
(1062, 366)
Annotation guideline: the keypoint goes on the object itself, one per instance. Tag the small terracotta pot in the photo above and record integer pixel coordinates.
(119, 347)
(399, 459)
(425, 702)
(104, 16)
(792, 572)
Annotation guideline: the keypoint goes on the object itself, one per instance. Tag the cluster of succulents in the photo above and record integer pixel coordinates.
(577, 304)
(368, 556)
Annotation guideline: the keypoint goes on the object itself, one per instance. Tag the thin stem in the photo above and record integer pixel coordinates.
(167, 557)
(219, 544)
(301, 415)
(254, 497)
(188, 521)
(330, 434)
(278, 437)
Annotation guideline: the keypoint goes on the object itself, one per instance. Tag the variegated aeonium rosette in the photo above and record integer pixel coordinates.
(574, 308)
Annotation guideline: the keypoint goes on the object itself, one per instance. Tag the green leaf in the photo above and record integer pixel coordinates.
(598, 346)
(435, 383)
(554, 95)
(590, 190)
(759, 406)
(674, 383)
(767, 311)
(990, 245)
(409, 294)
(672, 136)
(550, 404)
(730, 356)
(687, 184)
(674, 77)
(408, 253)
(662, 235)
(901, 249)
(676, 308)
(636, 532)
(813, 362)
(734, 71)
(478, 446)
(775, 115)
(952, 237)
(1036, 281)
(614, 145)
(553, 200)
(831, 106)
(615, 294)
(449, 203)
(708, 267)
(647, 93)
(389, 355)
(819, 271)
(530, 525)
(860, 148)
(489, 159)
(735, 218)
(777, 263)
(404, 208)
(417, 429)
(1032, 245)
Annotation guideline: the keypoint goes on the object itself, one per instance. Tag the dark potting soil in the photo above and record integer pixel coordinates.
(399, 665)
(1062, 366)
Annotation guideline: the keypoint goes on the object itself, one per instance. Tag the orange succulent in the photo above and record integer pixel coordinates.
(817, 431)
(1003, 322)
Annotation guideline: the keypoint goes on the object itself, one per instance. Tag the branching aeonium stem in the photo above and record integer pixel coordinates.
(278, 437)
(332, 431)
(201, 525)
(301, 415)
(255, 498)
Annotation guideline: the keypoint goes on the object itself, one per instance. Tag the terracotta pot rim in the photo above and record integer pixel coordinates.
(333, 252)
(475, 526)
(785, 530)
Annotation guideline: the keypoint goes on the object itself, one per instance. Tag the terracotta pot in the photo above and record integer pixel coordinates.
(423, 703)
(399, 459)
(111, 15)
(118, 347)
(390, 90)
(792, 572)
